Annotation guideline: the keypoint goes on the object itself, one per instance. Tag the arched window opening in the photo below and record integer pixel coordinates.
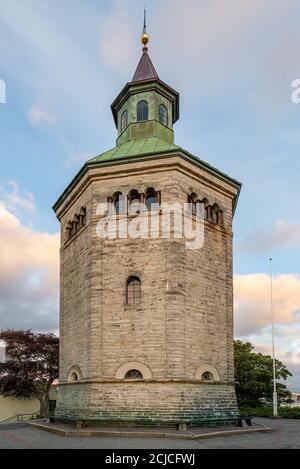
(134, 374)
(77, 223)
(205, 205)
(134, 200)
(142, 111)
(74, 226)
(82, 217)
(151, 198)
(73, 231)
(220, 218)
(118, 201)
(207, 373)
(124, 121)
(200, 209)
(74, 374)
(209, 213)
(192, 200)
(134, 291)
(207, 377)
(197, 207)
(69, 231)
(74, 377)
(140, 369)
(214, 216)
(217, 215)
(163, 115)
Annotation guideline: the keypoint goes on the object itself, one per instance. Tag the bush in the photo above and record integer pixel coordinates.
(289, 412)
(283, 412)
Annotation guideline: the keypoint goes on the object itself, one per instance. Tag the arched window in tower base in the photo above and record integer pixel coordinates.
(207, 374)
(134, 371)
(74, 374)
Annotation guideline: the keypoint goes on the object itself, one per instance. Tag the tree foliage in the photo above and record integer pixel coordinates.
(254, 377)
(31, 366)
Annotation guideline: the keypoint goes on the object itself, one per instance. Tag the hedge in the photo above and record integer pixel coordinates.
(283, 412)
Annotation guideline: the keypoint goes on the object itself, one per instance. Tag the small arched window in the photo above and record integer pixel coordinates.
(82, 217)
(142, 111)
(118, 202)
(74, 377)
(134, 374)
(69, 229)
(207, 377)
(205, 208)
(214, 217)
(74, 228)
(151, 198)
(124, 121)
(134, 202)
(163, 115)
(193, 201)
(220, 218)
(134, 291)
(217, 215)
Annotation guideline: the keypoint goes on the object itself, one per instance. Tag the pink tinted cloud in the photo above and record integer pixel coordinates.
(252, 301)
(29, 275)
(21, 247)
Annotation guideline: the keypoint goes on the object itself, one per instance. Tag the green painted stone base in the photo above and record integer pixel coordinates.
(208, 420)
(148, 404)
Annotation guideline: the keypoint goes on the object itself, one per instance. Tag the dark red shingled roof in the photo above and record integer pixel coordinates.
(145, 69)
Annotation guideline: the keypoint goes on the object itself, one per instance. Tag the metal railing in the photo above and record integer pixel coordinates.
(20, 418)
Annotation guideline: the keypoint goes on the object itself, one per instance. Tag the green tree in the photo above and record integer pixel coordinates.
(254, 377)
(30, 367)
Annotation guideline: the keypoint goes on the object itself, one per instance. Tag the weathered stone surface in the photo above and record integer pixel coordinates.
(185, 319)
(149, 403)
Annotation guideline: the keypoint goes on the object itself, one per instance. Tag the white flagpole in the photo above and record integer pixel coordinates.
(275, 401)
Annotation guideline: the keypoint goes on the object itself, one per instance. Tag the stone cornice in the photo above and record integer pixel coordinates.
(163, 164)
(146, 381)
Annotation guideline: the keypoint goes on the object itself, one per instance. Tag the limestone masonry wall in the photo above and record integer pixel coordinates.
(184, 321)
(149, 404)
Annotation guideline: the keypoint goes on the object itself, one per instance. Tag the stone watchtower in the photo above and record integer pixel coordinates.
(146, 324)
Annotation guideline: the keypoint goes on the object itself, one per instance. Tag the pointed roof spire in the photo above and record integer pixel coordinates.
(145, 37)
(145, 69)
(145, 21)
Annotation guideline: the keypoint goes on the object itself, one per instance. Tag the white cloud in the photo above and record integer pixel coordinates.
(38, 116)
(283, 234)
(16, 199)
(29, 271)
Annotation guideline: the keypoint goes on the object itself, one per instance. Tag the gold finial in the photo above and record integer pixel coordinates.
(145, 37)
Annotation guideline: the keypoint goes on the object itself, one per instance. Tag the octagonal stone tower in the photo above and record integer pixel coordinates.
(146, 325)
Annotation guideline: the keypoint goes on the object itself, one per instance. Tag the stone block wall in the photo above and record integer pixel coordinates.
(184, 321)
(153, 404)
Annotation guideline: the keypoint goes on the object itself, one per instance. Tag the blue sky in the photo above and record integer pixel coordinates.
(233, 62)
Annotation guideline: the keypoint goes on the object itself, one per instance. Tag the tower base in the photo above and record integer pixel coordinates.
(148, 403)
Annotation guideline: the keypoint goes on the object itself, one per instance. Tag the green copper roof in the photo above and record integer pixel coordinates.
(136, 148)
(147, 148)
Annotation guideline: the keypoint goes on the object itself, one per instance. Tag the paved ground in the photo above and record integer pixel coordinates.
(286, 435)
